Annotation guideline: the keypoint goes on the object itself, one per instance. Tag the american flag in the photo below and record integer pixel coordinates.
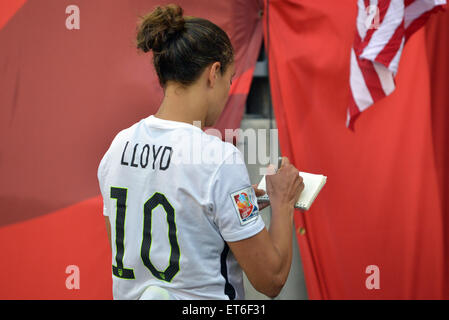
(383, 28)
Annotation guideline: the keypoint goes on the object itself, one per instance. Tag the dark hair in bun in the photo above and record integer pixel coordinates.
(160, 26)
(182, 46)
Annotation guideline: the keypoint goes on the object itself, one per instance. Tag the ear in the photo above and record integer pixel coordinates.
(213, 74)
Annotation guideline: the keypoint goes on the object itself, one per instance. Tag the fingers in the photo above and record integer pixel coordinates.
(262, 205)
(271, 169)
(301, 180)
(301, 185)
(258, 192)
(285, 161)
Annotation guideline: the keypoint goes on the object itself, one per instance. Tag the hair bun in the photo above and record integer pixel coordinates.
(159, 26)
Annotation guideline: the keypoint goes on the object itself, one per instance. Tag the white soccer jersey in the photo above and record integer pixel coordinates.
(174, 196)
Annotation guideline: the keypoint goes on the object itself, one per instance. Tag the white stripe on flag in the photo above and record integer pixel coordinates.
(361, 19)
(417, 8)
(377, 48)
(360, 92)
(385, 77)
(392, 20)
(394, 64)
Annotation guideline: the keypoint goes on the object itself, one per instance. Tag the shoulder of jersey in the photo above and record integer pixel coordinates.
(125, 133)
(228, 148)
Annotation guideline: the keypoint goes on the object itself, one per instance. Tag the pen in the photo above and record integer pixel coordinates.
(279, 163)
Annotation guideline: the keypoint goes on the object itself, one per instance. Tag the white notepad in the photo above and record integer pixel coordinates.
(313, 183)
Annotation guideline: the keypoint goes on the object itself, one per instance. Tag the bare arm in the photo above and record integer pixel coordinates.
(266, 257)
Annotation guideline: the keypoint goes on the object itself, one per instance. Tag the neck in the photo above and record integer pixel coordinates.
(183, 105)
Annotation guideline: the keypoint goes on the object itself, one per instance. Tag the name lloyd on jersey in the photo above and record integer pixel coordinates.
(141, 156)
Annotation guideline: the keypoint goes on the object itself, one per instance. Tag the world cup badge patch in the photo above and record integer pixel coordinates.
(246, 209)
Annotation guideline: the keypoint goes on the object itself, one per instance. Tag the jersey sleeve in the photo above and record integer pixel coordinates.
(101, 175)
(234, 203)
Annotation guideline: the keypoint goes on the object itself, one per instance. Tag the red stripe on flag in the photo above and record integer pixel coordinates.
(420, 21)
(354, 112)
(357, 41)
(392, 47)
(408, 2)
(383, 8)
(385, 56)
(371, 78)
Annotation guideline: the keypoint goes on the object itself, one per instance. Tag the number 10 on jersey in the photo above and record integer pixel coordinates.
(121, 194)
